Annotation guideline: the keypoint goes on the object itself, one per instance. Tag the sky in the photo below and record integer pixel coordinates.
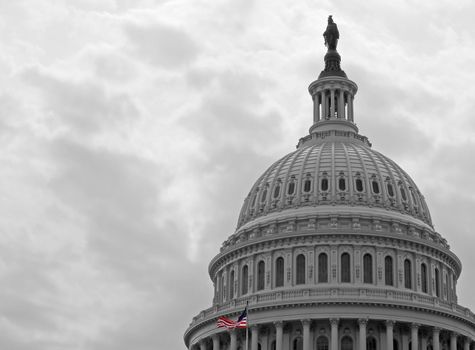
(131, 132)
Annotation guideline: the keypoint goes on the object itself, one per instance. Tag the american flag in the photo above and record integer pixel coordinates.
(225, 322)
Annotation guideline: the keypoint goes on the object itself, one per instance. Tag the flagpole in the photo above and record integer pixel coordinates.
(247, 341)
(247, 326)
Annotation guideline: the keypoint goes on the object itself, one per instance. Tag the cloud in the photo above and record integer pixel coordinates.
(85, 107)
(162, 45)
(131, 131)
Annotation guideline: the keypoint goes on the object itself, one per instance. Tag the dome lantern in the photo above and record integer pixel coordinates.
(332, 92)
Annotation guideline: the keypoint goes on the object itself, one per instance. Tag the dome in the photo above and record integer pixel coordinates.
(343, 173)
(334, 249)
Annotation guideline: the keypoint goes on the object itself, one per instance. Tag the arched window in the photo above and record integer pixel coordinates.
(345, 267)
(346, 343)
(323, 268)
(437, 282)
(370, 343)
(403, 194)
(297, 344)
(324, 184)
(388, 271)
(367, 268)
(395, 345)
(264, 195)
(390, 190)
(446, 285)
(424, 277)
(407, 274)
(223, 291)
(322, 343)
(291, 188)
(414, 200)
(259, 347)
(341, 184)
(244, 279)
(253, 202)
(359, 185)
(375, 186)
(277, 191)
(231, 285)
(307, 185)
(300, 269)
(279, 272)
(260, 275)
(272, 345)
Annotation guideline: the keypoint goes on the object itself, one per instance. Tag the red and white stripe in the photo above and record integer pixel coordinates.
(242, 323)
(225, 322)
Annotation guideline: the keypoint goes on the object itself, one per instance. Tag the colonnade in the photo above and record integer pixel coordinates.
(330, 104)
(272, 337)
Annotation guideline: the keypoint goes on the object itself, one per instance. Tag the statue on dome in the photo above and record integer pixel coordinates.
(331, 34)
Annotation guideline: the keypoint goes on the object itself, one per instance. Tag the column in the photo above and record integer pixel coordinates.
(390, 335)
(414, 336)
(233, 345)
(362, 324)
(254, 337)
(350, 107)
(306, 334)
(341, 106)
(435, 339)
(334, 333)
(453, 341)
(316, 108)
(324, 105)
(215, 342)
(423, 341)
(332, 103)
(264, 334)
(466, 343)
(278, 335)
(202, 345)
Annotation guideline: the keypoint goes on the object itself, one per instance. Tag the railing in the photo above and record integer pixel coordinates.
(335, 293)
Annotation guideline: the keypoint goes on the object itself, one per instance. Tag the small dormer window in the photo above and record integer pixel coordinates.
(375, 186)
(413, 197)
(403, 194)
(390, 190)
(307, 185)
(341, 184)
(359, 185)
(253, 202)
(264, 195)
(277, 191)
(291, 188)
(324, 184)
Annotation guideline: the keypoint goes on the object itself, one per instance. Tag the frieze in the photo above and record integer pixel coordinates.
(322, 224)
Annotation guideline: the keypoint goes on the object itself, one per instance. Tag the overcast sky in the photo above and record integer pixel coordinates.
(131, 131)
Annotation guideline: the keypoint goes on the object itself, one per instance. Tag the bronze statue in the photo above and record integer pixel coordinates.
(331, 34)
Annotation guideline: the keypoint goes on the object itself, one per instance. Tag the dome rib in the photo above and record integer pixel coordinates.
(316, 172)
(350, 172)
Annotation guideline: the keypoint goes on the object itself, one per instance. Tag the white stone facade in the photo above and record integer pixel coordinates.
(335, 250)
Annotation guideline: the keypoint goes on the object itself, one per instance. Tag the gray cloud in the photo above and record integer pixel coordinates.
(113, 171)
(162, 45)
(85, 107)
(120, 195)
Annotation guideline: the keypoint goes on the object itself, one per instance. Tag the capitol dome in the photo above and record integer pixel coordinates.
(342, 172)
(335, 249)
